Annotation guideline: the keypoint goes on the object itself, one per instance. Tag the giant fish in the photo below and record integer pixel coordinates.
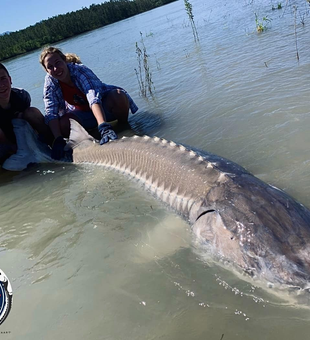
(257, 228)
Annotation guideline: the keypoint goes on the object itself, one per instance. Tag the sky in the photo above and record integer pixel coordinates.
(19, 14)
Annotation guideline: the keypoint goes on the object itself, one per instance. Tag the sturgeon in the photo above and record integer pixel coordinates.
(256, 227)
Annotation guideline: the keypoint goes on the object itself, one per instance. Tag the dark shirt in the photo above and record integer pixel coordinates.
(19, 102)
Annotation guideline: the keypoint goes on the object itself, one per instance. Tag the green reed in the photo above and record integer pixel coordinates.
(295, 32)
(143, 72)
(189, 11)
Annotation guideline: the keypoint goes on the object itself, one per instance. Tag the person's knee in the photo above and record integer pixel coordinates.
(117, 101)
(32, 114)
(122, 100)
(118, 104)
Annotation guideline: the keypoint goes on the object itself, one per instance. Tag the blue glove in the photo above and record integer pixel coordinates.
(58, 151)
(106, 133)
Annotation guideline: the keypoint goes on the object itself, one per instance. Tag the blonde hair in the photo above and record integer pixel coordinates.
(68, 57)
(73, 58)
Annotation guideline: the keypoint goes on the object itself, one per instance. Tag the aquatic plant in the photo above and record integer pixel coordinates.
(302, 18)
(261, 25)
(279, 6)
(189, 11)
(143, 72)
(295, 32)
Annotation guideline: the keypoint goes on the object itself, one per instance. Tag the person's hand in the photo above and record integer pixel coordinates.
(58, 151)
(106, 133)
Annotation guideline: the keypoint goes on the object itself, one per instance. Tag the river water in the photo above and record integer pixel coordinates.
(89, 254)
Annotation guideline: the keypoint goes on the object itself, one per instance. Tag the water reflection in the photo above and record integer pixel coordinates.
(146, 123)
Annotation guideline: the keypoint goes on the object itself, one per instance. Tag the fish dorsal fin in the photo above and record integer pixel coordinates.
(78, 135)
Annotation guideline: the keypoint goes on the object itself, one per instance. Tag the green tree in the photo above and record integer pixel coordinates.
(73, 23)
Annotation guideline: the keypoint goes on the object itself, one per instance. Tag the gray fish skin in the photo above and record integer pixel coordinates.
(252, 225)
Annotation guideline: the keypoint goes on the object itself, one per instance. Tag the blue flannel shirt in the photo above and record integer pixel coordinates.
(86, 81)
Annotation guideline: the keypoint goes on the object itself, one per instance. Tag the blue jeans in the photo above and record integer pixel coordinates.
(88, 120)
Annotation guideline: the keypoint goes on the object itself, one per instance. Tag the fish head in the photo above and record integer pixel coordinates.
(259, 228)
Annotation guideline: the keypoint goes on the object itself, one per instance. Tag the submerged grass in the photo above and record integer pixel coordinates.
(261, 24)
(279, 6)
(299, 15)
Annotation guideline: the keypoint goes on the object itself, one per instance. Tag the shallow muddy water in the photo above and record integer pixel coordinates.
(90, 254)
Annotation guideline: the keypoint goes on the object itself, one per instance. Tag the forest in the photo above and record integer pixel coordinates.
(71, 24)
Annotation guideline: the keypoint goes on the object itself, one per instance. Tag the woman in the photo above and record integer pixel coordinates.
(72, 90)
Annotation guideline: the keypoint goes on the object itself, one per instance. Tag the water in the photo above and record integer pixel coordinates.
(91, 255)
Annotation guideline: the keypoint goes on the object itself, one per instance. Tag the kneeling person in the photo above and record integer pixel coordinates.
(14, 103)
(72, 90)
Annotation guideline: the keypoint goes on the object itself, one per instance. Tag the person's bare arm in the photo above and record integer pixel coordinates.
(99, 113)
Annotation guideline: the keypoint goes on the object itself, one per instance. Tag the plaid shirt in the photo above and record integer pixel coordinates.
(86, 81)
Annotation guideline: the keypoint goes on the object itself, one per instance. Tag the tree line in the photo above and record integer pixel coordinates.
(73, 23)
